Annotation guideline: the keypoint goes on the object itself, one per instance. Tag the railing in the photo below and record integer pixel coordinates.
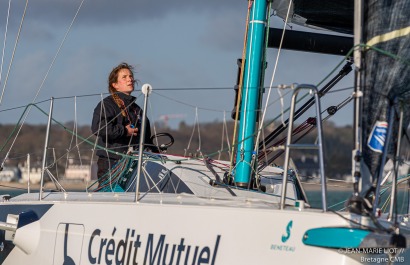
(318, 146)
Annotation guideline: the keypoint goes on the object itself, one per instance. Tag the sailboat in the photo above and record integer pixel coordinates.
(159, 208)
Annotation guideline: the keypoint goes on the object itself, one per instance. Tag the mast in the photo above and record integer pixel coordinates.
(355, 201)
(358, 22)
(251, 89)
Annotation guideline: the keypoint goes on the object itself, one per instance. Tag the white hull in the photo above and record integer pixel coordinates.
(109, 228)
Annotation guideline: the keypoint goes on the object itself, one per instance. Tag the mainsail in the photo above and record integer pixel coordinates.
(385, 78)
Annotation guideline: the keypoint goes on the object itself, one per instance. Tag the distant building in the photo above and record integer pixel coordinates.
(33, 174)
(10, 174)
(81, 172)
(307, 167)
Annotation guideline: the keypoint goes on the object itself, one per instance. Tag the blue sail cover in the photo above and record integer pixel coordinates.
(385, 75)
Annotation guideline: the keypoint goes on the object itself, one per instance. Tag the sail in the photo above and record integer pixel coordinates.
(385, 76)
(334, 15)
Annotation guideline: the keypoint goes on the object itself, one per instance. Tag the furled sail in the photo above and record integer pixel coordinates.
(385, 77)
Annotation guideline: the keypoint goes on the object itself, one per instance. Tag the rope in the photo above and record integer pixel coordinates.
(14, 50)
(258, 132)
(307, 125)
(277, 60)
(38, 91)
(261, 119)
(187, 104)
(224, 134)
(248, 77)
(199, 133)
(196, 123)
(4, 45)
(398, 58)
(238, 100)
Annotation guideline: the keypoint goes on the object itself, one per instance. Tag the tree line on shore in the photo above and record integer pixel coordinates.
(208, 139)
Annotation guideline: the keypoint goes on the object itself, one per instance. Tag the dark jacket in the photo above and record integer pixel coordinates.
(109, 125)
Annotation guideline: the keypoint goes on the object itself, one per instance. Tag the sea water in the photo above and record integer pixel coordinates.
(336, 200)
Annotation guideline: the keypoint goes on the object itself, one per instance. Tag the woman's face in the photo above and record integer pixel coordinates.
(125, 82)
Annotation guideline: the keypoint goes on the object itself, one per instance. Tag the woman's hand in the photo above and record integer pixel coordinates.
(131, 131)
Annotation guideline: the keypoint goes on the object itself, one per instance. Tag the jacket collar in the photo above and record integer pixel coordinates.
(126, 98)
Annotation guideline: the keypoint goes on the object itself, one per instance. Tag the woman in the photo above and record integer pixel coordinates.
(117, 120)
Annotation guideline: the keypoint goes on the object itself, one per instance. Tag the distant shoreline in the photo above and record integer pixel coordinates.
(331, 185)
(67, 185)
(81, 186)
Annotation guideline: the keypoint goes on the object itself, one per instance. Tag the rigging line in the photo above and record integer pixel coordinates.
(55, 181)
(78, 96)
(340, 90)
(38, 91)
(394, 56)
(190, 139)
(76, 130)
(222, 136)
(258, 132)
(96, 138)
(58, 50)
(276, 100)
(72, 138)
(343, 72)
(271, 147)
(248, 76)
(196, 88)
(14, 51)
(148, 179)
(5, 42)
(186, 104)
(46, 100)
(153, 125)
(240, 86)
(55, 163)
(192, 88)
(199, 132)
(341, 105)
(106, 138)
(107, 93)
(256, 147)
(323, 80)
(227, 138)
(66, 129)
(277, 61)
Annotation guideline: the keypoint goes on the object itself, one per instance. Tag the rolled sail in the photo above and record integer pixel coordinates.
(385, 76)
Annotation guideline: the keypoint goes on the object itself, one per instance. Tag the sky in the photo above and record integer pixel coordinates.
(186, 49)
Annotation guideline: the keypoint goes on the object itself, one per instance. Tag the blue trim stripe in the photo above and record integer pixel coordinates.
(335, 237)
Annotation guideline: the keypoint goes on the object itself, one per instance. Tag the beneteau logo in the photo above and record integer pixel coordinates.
(284, 239)
(150, 249)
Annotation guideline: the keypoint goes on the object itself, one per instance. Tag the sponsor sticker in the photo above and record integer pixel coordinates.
(377, 137)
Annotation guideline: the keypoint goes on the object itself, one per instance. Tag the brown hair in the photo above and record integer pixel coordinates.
(113, 78)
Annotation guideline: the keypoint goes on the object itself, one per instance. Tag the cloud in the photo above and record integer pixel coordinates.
(225, 31)
(108, 11)
(29, 75)
(45, 19)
